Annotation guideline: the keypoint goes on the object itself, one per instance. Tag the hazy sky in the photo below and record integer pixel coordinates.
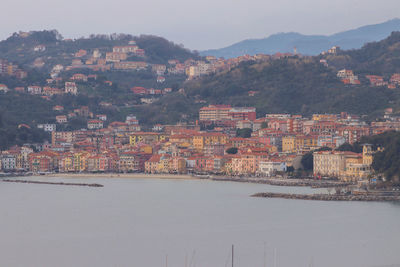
(196, 24)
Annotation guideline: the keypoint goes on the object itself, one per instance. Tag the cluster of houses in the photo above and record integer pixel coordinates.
(48, 91)
(119, 59)
(348, 77)
(10, 69)
(130, 57)
(277, 142)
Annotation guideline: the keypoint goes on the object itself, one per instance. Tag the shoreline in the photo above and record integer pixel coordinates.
(122, 175)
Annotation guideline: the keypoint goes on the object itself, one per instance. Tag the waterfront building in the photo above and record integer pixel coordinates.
(271, 167)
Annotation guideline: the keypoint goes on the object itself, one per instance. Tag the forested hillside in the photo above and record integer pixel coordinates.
(381, 58)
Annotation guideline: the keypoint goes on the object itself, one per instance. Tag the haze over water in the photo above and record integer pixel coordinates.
(137, 222)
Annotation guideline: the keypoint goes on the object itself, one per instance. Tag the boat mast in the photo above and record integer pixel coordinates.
(232, 255)
(265, 255)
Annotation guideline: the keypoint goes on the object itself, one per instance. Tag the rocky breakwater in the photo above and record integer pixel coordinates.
(331, 197)
(50, 183)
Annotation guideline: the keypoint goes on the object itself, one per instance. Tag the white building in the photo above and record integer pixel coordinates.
(157, 128)
(34, 90)
(47, 127)
(3, 88)
(244, 124)
(96, 53)
(8, 162)
(95, 124)
(61, 119)
(269, 168)
(39, 48)
(101, 117)
(131, 120)
(70, 87)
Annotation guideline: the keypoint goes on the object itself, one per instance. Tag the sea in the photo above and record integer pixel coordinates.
(185, 223)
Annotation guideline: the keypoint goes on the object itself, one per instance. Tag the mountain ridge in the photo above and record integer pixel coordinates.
(285, 42)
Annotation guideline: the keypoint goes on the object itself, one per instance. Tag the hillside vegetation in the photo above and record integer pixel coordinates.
(294, 85)
(381, 58)
(290, 85)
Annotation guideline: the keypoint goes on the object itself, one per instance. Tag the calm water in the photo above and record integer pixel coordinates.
(137, 222)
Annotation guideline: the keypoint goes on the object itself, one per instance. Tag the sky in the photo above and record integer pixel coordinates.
(199, 25)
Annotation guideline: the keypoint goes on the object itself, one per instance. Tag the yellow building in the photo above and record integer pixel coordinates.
(177, 165)
(127, 162)
(306, 143)
(151, 166)
(67, 163)
(345, 165)
(80, 161)
(201, 140)
(146, 137)
(228, 167)
(299, 143)
(163, 164)
(367, 154)
(288, 144)
(324, 117)
(146, 149)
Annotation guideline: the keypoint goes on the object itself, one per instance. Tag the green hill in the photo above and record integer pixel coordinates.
(292, 85)
(381, 58)
(298, 85)
(19, 49)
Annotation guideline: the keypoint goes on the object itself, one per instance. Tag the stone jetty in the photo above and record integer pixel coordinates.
(49, 183)
(331, 197)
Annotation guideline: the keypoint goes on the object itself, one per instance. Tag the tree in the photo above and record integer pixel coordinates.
(232, 150)
(245, 132)
(345, 147)
(308, 159)
(290, 169)
(264, 125)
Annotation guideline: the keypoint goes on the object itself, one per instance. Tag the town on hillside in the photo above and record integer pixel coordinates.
(225, 140)
(95, 127)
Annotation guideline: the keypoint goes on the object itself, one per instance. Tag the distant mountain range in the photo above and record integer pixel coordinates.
(308, 44)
